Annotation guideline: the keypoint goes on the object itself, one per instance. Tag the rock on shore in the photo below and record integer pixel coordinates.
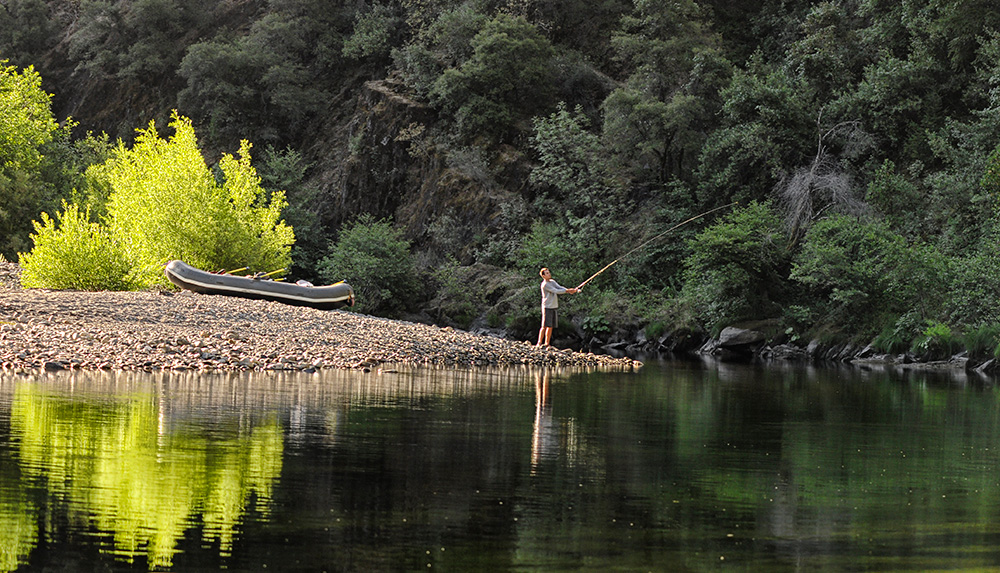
(153, 330)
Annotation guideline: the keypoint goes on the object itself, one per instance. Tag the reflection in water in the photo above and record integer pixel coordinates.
(544, 436)
(682, 465)
(131, 466)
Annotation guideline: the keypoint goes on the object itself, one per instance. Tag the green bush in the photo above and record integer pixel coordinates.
(375, 259)
(736, 267)
(166, 204)
(936, 342)
(73, 253)
(860, 270)
(975, 288)
(892, 340)
(655, 330)
(596, 325)
(981, 341)
(456, 302)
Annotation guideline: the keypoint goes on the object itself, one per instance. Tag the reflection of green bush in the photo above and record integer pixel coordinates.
(114, 465)
(18, 532)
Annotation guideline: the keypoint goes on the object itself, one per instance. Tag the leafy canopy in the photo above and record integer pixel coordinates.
(26, 120)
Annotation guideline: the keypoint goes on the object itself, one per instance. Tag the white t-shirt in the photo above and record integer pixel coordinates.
(550, 291)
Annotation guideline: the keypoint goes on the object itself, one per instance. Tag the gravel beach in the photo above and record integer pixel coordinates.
(166, 330)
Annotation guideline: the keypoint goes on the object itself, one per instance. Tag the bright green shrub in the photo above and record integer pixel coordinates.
(375, 259)
(165, 204)
(73, 253)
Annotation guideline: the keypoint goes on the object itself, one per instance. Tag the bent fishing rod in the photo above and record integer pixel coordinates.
(648, 241)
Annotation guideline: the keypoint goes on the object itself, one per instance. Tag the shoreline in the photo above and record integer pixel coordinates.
(181, 331)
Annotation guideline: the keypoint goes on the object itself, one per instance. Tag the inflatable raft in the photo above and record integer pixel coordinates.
(322, 297)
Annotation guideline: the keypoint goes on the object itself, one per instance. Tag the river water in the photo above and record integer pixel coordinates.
(683, 466)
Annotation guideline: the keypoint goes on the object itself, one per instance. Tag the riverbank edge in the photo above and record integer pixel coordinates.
(758, 342)
(158, 330)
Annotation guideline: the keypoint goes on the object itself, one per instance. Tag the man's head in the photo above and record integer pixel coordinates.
(544, 273)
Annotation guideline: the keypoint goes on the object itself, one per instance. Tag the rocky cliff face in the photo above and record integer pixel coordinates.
(395, 161)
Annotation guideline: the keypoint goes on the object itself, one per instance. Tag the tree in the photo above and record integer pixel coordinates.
(658, 42)
(372, 35)
(899, 200)
(285, 170)
(26, 127)
(737, 267)
(134, 39)
(444, 43)
(374, 258)
(25, 29)
(829, 52)
(165, 204)
(507, 77)
(767, 128)
(657, 122)
(824, 186)
(26, 120)
(573, 164)
(270, 83)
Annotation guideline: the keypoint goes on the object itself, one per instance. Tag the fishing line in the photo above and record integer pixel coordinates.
(648, 241)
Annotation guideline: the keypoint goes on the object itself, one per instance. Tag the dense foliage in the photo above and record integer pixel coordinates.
(860, 137)
(163, 203)
(74, 253)
(376, 258)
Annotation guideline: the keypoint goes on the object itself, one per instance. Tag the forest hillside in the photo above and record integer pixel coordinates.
(437, 153)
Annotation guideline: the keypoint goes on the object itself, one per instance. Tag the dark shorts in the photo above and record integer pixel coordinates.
(550, 317)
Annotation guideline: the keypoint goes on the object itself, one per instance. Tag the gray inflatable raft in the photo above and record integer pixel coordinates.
(322, 297)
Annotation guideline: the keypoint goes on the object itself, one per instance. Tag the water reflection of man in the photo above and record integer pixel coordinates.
(544, 434)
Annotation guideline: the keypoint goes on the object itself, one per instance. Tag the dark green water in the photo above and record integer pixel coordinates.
(680, 467)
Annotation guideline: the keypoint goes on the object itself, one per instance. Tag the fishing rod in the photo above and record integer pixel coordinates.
(648, 241)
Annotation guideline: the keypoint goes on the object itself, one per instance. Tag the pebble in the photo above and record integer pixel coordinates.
(143, 330)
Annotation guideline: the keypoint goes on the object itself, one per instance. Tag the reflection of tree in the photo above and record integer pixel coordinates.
(118, 469)
(18, 534)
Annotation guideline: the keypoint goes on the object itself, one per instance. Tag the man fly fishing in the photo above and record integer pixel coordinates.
(551, 289)
(550, 306)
